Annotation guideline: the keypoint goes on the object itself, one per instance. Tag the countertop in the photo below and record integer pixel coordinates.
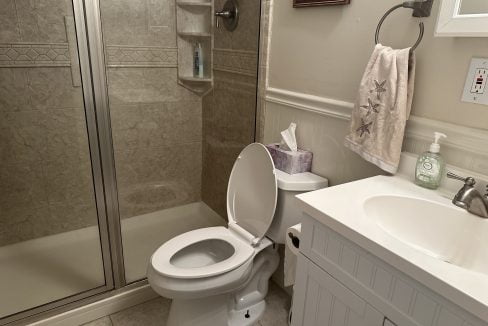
(341, 209)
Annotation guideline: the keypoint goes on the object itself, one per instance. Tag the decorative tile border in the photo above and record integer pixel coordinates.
(141, 56)
(58, 55)
(34, 55)
(236, 61)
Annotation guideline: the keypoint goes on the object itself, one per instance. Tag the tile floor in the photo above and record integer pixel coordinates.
(154, 312)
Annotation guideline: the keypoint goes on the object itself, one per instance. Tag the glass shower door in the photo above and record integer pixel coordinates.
(156, 129)
(50, 183)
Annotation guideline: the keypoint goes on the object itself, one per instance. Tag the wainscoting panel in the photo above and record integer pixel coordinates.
(465, 147)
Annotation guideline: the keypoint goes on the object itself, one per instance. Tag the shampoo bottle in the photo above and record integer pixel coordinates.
(430, 165)
(198, 60)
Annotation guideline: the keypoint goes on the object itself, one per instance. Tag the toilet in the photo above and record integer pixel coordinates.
(219, 276)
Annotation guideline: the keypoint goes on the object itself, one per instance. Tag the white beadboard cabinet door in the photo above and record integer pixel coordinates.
(320, 300)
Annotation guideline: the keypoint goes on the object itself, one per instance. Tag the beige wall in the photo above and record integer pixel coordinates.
(323, 51)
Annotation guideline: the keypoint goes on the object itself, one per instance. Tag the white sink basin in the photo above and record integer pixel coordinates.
(444, 232)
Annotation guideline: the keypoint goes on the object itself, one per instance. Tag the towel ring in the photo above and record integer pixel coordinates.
(403, 5)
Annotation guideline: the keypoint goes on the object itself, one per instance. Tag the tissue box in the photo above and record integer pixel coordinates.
(290, 162)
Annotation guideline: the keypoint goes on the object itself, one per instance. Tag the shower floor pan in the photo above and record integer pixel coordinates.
(40, 271)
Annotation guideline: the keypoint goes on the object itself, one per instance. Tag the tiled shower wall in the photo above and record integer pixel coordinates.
(229, 110)
(45, 172)
(156, 124)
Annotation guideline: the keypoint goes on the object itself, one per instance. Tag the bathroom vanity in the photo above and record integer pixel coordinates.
(383, 251)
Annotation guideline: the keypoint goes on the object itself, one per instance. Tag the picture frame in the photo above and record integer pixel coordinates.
(313, 3)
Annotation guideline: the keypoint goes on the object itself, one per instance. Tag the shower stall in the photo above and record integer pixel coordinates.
(109, 146)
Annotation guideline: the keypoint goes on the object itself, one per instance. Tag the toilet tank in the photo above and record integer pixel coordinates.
(287, 212)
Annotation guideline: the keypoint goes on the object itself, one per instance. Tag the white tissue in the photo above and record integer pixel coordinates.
(289, 139)
(291, 252)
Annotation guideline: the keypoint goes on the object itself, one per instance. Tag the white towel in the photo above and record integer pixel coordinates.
(383, 107)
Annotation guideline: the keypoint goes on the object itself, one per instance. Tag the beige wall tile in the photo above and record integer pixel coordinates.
(46, 176)
(67, 216)
(22, 185)
(229, 111)
(42, 21)
(218, 160)
(9, 31)
(13, 89)
(66, 135)
(157, 124)
(138, 23)
(229, 125)
(246, 35)
(151, 179)
(47, 166)
(23, 137)
(69, 181)
(23, 223)
(146, 85)
(52, 88)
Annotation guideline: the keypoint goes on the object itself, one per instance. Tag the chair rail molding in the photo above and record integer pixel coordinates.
(419, 129)
(312, 103)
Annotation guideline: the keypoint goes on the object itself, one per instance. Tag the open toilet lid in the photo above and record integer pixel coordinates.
(252, 190)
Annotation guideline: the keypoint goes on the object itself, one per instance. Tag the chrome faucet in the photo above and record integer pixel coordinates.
(469, 197)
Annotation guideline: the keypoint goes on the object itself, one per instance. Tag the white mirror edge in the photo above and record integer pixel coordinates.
(451, 24)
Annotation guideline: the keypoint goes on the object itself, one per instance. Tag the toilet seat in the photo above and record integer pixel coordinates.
(251, 202)
(162, 258)
(252, 192)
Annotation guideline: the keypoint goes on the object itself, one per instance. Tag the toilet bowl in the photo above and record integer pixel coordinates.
(219, 275)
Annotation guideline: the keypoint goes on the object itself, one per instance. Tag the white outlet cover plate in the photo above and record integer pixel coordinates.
(473, 92)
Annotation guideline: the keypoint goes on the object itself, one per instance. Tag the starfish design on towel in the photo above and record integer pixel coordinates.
(364, 128)
(379, 88)
(371, 107)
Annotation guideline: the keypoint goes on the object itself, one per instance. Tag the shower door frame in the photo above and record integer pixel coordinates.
(94, 87)
(96, 50)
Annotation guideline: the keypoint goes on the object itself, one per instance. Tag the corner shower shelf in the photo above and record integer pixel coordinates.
(193, 79)
(193, 4)
(194, 34)
(194, 22)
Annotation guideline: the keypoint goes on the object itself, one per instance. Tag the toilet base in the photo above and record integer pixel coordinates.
(214, 311)
(243, 307)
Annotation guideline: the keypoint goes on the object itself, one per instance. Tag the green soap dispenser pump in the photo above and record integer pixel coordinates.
(430, 165)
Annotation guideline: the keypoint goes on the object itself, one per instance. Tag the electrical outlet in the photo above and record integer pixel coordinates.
(475, 90)
(479, 81)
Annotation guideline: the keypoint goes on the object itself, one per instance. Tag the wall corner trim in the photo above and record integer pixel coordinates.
(461, 138)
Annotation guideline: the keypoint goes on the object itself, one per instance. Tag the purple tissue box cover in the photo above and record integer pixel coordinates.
(290, 162)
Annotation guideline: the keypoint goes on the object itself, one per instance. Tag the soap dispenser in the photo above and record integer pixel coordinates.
(430, 165)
